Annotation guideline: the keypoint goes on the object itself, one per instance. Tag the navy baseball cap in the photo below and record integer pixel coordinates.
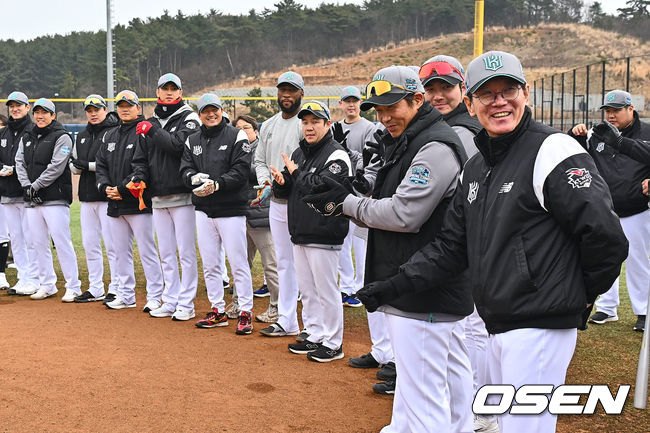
(390, 85)
(45, 104)
(316, 108)
(169, 78)
(490, 65)
(293, 78)
(617, 99)
(19, 97)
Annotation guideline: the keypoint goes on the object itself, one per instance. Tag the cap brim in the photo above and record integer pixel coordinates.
(317, 113)
(612, 105)
(289, 82)
(451, 80)
(476, 86)
(167, 82)
(210, 105)
(126, 100)
(384, 99)
(94, 105)
(16, 100)
(350, 96)
(42, 107)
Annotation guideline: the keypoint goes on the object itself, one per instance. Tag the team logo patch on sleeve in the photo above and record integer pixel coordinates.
(335, 168)
(419, 175)
(579, 177)
(600, 147)
(190, 125)
(246, 147)
(65, 150)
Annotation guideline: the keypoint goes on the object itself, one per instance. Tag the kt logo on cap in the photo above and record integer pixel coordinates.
(493, 63)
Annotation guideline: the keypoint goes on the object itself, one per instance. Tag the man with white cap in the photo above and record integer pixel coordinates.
(94, 205)
(157, 161)
(216, 163)
(612, 146)
(43, 172)
(129, 206)
(532, 221)
(11, 191)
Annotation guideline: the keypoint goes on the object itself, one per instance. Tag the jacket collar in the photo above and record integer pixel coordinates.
(215, 130)
(126, 127)
(633, 128)
(494, 149)
(309, 149)
(424, 118)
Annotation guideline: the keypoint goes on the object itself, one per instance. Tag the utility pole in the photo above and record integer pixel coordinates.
(478, 28)
(110, 76)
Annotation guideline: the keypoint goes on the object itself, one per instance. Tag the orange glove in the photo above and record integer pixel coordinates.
(137, 189)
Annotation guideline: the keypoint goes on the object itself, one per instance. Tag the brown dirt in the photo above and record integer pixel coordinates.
(81, 367)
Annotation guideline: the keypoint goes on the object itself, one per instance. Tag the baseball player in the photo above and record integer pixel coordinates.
(11, 192)
(532, 222)
(316, 239)
(42, 169)
(216, 163)
(94, 205)
(411, 195)
(129, 216)
(157, 161)
(608, 144)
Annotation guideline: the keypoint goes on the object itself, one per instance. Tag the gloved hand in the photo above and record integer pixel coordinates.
(80, 164)
(198, 178)
(376, 294)
(360, 183)
(26, 197)
(263, 193)
(339, 135)
(608, 134)
(143, 127)
(327, 198)
(369, 151)
(206, 188)
(7, 170)
(35, 196)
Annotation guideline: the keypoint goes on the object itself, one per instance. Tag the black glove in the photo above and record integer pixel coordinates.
(340, 135)
(34, 196)
(608, 134)
(360, 183)
(327, 198)
(369, 151)
(80, 164)
(26, 197)
(376, 294)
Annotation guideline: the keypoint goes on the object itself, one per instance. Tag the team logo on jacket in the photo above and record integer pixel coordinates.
(335, 168)
(129, 146)
(190, 125)
(83, 140)
(197, 150)
(419, 175)
(173, 129)
(579, 177)
(473, 192)
(600, 147)
(246, 147)
(29, 143)
(3, 142)
(506, 187)
(110, 147)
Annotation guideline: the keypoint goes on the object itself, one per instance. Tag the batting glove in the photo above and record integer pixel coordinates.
(263, 193)
(377, 293)
(143, 127)
(198, 178)
(80, 164)
(360, 183)
(7, 170)
(207, 187)
(34, 196)
(339, 135)
(608, 134)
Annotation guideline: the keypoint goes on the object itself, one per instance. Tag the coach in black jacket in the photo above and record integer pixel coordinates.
(533, 222)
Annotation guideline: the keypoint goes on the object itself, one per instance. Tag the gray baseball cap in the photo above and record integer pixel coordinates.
(169, 78)
(490, 65)
(316, 108)
(45, 104)
(293, 78)
(350, 92)
(435, 69)
(94, 101)
(128, 96)
(404, 81)
(208, 99)
(617, 99)
(19, 97)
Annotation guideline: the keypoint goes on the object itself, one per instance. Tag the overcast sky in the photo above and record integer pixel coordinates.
(24, 20)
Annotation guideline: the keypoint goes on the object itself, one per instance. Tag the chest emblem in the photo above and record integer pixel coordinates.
(29, 143)
(224, 147)
(197, 150)
(83, 140)
(473, 192)
(600, 147)
(506, 187)
(334, 168)
(110, 147)
(129, 146)
(173, 129)
(3, 142)
(579, 177)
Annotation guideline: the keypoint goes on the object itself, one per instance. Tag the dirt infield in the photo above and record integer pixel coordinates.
(81, 367)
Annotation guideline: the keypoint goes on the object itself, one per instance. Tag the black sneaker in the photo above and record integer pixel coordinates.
(363, 361)
(385, 388)
(325, 354)
(600, 317)
(640, 323)
(110, 297)
(304, 347)
(387, 372)
(88, 297)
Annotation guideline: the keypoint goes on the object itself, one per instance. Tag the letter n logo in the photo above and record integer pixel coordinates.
(493, 63)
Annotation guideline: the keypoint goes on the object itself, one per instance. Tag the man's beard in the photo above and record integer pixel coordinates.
(292, 108)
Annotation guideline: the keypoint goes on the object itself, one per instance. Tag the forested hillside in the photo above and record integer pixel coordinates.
(208, 49)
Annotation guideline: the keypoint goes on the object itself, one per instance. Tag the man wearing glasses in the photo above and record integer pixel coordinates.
(94, 205)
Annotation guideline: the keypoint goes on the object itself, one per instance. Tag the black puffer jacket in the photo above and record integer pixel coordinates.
(10, 137)
(256, 216)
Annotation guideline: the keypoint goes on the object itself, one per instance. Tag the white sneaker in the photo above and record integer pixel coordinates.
(4, 284)
(69, 296)
(161, 311)
(183, 315)
(42, 294)
(485, 424)
(151, 305)
(119, 304)
(25, 289)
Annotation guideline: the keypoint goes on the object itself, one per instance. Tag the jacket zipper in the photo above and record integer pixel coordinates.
(482, 237)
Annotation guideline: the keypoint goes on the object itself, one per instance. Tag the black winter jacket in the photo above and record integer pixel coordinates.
(325, 158)
(224, 153)
(533, 222)
(113, 162)
(10, 137)
(256, 216)
(459, 116)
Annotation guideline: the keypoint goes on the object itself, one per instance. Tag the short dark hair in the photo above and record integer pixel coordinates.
(248, 119)
(410, 99)
(4, 119)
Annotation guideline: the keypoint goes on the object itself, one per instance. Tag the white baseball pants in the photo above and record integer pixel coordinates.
(54, 221)
(4, 229)
(229, 232)
(381, 349)
(94, 228)
(530, 357)
(349, 282)
(476, 340)
(123, 229)
(260, 239)
(224, 268)
(176, 227)
(637, 267)
(316, 274)
(25, 257)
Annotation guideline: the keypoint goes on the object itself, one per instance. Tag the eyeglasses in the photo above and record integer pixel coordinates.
(92, 100)
(379, 87)
(438, 69)
(488, 97)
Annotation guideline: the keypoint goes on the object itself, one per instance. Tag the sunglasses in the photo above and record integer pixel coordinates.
(92, 100)
(379, 87)
(438, 69)
(125, 96)
(315, 106)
